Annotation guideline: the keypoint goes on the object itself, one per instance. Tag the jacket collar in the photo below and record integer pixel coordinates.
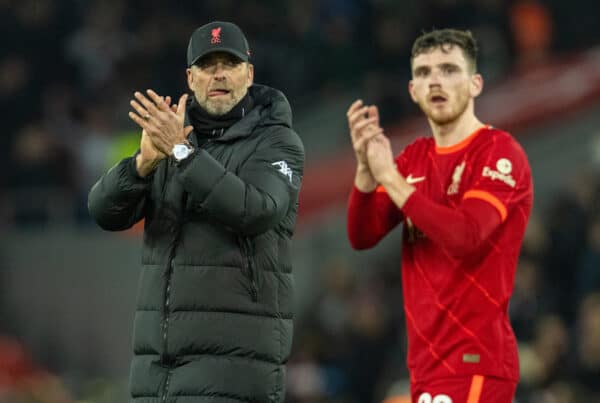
(271, 108)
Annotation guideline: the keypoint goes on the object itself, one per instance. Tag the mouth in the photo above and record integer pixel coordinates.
(217, 92)
(437, 99)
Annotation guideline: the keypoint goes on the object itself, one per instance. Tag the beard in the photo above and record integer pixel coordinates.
(222, 104)
(450, 113)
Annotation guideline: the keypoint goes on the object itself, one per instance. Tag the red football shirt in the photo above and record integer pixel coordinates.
(462, 232)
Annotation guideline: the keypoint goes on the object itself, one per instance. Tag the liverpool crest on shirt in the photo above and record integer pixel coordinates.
(456, 175)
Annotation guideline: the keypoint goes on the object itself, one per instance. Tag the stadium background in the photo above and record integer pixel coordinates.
(67, 71)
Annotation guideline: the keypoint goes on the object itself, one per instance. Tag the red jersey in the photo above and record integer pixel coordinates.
(462, 233)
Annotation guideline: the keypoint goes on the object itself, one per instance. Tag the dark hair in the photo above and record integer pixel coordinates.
(445, 39)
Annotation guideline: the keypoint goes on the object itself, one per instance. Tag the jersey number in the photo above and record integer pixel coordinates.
(426, 398)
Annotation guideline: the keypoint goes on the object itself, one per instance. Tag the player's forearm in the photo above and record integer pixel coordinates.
(363, 179)
(396, 187)
(365, 226)
(459, 231)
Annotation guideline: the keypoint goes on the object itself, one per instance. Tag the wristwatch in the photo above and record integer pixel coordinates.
(182, 151)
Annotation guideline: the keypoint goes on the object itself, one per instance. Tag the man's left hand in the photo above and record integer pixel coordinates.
(163, 123)
(380, 157)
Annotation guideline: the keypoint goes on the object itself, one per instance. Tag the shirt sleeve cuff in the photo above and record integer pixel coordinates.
(360, 192)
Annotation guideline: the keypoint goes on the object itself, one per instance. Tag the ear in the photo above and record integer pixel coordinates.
(250, 80)
(476, 85)
(190, 77)
(411, 91)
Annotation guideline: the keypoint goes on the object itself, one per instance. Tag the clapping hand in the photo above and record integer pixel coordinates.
(363, 122)
(380, 157)
(162, 122)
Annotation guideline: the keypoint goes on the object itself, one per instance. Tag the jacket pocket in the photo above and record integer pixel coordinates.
(248, 264)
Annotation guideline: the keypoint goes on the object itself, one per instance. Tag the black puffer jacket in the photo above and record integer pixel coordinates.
(214, 314)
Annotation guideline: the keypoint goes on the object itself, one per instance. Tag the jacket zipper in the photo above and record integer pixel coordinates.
(167, 304)
(166, 360)
(167, 299)
(248, 262)
(166, 388)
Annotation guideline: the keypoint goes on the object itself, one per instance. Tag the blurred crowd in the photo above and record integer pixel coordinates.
(69, 68)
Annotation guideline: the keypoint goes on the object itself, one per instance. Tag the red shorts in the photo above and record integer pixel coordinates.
(475, 389)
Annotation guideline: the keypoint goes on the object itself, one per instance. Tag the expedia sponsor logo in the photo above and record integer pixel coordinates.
(495, 175)
(504, 166)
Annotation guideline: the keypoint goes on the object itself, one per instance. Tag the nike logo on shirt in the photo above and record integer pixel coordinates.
(411, 179)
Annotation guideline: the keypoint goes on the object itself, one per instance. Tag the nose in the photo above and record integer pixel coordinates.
(434, 79)
(219, 71)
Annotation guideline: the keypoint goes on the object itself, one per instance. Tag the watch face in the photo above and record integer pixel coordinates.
(181, 151)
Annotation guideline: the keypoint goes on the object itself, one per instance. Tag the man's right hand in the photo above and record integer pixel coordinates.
(363, 122)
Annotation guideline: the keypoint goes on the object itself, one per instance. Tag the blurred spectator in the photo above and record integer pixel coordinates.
(526, 303)
(588, 279)
(399, 392)
(371, 335)
(536, 239)
(588, 345)
(532, 29)
(100, 43)
(94, 144)
(386, 80)
(305, 378)
(333, 310)
(566, 223)
(22, 381)
(576, 23)
(354, 336)
(289, 57)
(341, 45)
(17, 88)
(544, 360)
(40, 177)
